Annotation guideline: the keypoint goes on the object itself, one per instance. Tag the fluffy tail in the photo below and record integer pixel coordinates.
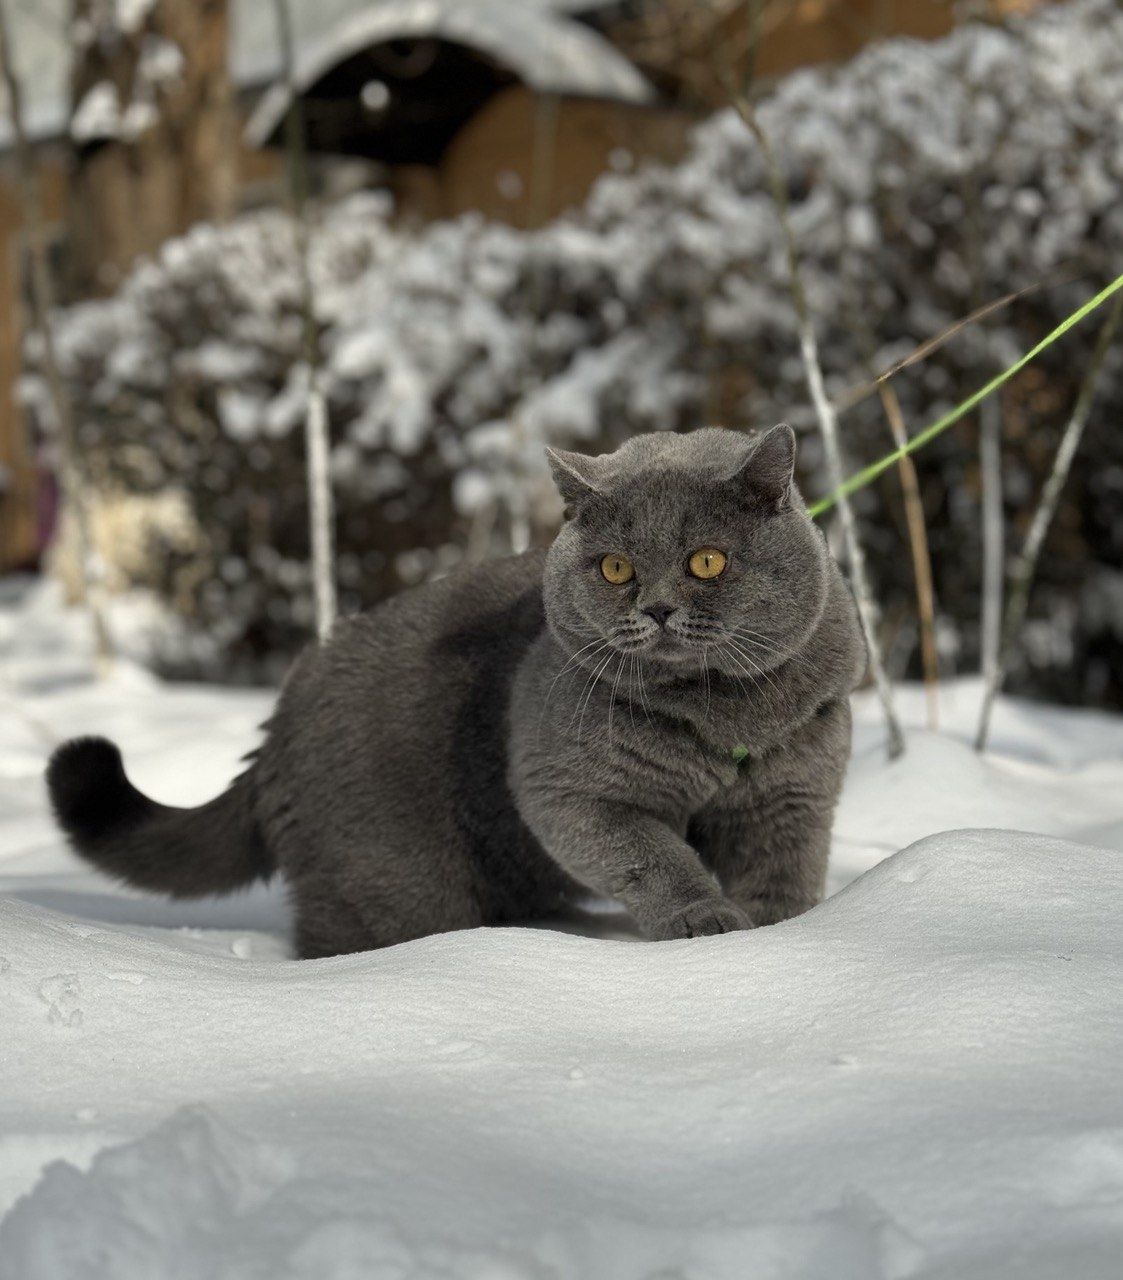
(186, 853)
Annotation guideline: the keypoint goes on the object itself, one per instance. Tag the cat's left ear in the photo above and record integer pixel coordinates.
(768, 471)
(575, 474)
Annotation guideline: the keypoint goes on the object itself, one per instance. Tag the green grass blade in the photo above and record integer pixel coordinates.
(870, 473)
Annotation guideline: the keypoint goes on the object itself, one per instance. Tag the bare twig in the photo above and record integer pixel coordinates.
(828, 429)
(921, 556)
(1021, 576)
(42, 304)
(754, 13)
(316, 438)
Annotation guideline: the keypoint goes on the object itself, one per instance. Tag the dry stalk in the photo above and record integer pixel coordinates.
(317, 442)
(828, 430)
(994, 535)
(921, 556)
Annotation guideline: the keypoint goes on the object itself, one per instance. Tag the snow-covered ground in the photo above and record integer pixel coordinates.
(920, 1078)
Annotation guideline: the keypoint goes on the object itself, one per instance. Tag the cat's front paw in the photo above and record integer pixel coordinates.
(701, 919)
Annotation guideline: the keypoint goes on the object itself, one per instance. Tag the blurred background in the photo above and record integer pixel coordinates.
(439, 234)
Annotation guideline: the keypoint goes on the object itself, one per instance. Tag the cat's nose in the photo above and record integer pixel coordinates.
(660, 612)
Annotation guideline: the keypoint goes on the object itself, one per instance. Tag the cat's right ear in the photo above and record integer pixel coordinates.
(576, 476)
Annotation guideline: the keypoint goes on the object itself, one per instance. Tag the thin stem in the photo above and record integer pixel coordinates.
(1021, 576)
(42, 303)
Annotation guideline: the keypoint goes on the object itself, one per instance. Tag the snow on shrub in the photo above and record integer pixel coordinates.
(924, 178)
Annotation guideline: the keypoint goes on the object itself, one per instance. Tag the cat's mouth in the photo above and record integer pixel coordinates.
(693, 637)
(664, 643)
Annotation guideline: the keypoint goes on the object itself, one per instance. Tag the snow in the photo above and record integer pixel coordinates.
(917, 1079)
(132, 14)
(98, 115)
(161, 61)
(108, 110)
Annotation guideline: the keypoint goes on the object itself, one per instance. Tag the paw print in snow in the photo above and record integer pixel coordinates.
(60, 994)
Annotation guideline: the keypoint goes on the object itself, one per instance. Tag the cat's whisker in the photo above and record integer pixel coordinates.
(590, 675)
(601, 646)
(759, 673)
(642, 691)
(706, 673)
(780, 659)
(589, 696)
(748, 631)
(745, 663)
(590, 678)
(770, 650)
(612, 696)
(744, 671)
(741, 636)
(596, 681)
(724, 652)
(763, 674)
(632, 660)
(572, 661)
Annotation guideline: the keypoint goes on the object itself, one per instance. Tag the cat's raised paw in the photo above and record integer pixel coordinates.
(701, 919)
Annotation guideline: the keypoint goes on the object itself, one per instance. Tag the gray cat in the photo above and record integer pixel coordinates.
(655, 709)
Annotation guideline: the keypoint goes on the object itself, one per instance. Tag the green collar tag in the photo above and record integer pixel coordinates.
(740, 753)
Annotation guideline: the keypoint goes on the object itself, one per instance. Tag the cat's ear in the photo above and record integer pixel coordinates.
(576, 476)
(768, 470)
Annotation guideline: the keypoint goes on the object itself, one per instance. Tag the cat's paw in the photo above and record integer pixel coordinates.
(701, 919)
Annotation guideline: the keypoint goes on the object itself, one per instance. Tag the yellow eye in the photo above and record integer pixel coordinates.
(708, 562)
(617, 569)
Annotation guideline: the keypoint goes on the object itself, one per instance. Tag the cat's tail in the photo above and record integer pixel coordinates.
(186, 853)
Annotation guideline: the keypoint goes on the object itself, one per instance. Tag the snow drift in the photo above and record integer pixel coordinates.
(917, 1079)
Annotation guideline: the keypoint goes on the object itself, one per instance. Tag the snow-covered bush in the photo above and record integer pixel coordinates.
(924, 179)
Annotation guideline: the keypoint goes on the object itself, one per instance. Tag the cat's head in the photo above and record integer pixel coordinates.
(677, 547)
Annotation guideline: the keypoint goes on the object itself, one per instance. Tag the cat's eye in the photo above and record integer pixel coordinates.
(617, 569)
(707, 562)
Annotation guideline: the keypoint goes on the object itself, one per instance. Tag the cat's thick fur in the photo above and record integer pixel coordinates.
(484, 748)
